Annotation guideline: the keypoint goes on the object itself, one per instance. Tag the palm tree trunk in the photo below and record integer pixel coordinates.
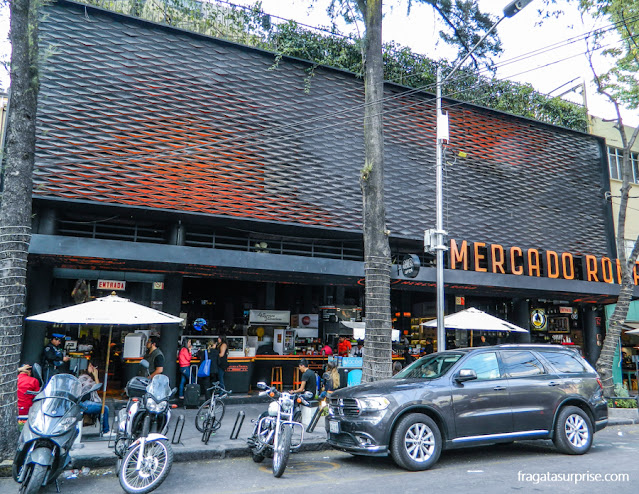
(378, 354)
(15, 210)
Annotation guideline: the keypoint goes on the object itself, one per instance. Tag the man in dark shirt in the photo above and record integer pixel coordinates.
(155, 356)
(309, 380)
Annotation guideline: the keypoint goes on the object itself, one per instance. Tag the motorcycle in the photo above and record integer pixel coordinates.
(144, 453)
(50, 431)
(273, 431)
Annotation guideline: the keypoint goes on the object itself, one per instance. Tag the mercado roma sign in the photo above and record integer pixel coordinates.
(494, 258)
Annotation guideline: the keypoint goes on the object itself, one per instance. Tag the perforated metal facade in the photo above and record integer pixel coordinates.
(137, 114)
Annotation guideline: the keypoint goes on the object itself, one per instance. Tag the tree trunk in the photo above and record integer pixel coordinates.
(15, 209)
(378, 354)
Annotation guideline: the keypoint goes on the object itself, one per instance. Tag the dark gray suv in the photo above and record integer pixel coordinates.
(468, 397)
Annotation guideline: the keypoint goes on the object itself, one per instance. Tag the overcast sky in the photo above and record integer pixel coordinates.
(520, 37)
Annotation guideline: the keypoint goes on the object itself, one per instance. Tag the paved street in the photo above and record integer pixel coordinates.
(487, 470)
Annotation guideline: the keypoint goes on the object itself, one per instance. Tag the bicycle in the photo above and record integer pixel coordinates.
(209, 416)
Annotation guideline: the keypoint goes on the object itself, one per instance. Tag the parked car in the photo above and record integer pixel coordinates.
(471, 397)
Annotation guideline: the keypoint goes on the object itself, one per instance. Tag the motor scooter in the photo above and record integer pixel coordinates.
(50, 431)
(144, 453)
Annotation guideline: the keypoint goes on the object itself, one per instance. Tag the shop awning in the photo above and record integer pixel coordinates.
(359, 330)
(475, 320)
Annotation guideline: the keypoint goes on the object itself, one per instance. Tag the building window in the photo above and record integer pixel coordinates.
(615, 160)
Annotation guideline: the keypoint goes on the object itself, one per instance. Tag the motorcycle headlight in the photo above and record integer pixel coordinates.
(373, 403)
(273, 408)
(64, 425)
(154, 407)
(287, 404)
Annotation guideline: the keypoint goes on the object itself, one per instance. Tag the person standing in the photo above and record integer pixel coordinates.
(428, 349)
(53, 359)
(358, 351)
(343, 347)
(155, 357)
(93, 405)
(483, 342)
(222, 363)
(26, 382)
(308, 379)
(331, 378)
(184, 361)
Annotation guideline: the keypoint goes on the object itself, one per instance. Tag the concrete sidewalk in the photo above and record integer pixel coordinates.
(95, 451)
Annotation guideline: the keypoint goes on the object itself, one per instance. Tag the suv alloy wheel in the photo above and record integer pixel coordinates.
(416, 442)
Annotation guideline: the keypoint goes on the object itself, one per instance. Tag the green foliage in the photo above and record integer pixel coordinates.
(621, 81)
(401, 65)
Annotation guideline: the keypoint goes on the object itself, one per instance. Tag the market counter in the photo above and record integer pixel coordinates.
(265, 363)
(239, 374)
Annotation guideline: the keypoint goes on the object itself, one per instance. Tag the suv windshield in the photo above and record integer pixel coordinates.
(429, 367)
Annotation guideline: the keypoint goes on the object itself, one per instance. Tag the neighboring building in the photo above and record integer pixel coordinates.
(607, 130)
(208, 179)
(624, 371)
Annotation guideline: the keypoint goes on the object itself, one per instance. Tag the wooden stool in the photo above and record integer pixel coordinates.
(296, 378)
(276, 378)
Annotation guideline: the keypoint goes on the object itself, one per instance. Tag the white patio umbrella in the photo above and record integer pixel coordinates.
(109, 311)
(472, 319)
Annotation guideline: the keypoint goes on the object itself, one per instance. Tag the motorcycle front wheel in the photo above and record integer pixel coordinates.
(281, 450)
(33, 480)
(156, 464)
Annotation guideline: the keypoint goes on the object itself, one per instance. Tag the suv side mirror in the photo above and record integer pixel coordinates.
(465, 375)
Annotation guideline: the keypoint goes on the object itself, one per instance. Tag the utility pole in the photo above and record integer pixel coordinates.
(435, 240)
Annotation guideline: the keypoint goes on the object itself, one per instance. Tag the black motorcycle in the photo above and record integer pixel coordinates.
(144, 453)
(50, 431)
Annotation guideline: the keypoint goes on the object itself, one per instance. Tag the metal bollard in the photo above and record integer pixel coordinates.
(237, 427)
(315, 419)
(178, 425)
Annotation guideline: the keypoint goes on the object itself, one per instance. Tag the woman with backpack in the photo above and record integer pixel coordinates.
(331, 378)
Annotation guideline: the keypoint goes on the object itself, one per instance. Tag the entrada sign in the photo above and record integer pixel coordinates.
(494, 258)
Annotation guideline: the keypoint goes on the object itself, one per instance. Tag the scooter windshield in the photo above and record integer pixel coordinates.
(159, 387)
(55, 407)
(62, 386)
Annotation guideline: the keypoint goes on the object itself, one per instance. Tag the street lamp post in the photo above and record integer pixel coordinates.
(438, 235)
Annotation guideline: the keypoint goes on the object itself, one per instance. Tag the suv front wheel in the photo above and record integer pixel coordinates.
(416, 443)
(573, 431)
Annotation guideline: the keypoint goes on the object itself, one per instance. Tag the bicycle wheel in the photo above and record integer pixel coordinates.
(201, 415)
(206, 435)
(218, 414)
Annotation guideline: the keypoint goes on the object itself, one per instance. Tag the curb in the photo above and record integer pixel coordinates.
(219, 453)
(222, 452)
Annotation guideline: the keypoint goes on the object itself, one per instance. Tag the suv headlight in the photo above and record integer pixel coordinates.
(154, 407)
(373, 403)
